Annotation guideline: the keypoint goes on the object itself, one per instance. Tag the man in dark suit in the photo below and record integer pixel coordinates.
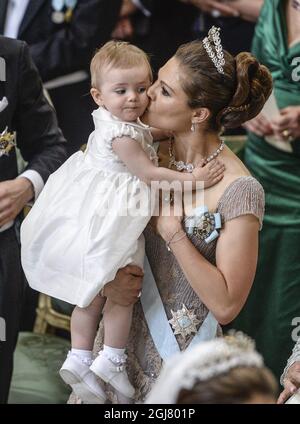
(63, 36)
(160, 27)
(28, 121)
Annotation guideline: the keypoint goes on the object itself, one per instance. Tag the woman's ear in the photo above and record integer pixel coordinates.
(200, 115)
(96, 94)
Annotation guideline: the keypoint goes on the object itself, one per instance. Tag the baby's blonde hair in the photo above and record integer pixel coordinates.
(117, 54)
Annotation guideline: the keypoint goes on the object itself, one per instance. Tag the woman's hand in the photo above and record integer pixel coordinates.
(169, 220)
(291, 382)
(214, 7)
(123, 30)
(287, 125)
(127, 8)
(126, 287)
(260, 125)
(248, 10)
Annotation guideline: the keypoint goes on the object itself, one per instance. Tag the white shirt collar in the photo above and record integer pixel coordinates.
(15, 13)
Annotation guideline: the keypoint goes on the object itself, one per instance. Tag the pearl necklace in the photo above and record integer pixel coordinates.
(189, 167)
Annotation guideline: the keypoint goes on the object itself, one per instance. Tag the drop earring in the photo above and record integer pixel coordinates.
(193, 128)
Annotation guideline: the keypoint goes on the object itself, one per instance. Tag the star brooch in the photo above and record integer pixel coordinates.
(184, 322)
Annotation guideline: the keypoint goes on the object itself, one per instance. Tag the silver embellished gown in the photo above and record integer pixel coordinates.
(243, 196)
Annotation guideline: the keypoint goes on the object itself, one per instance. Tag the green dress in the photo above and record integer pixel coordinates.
(274, 300)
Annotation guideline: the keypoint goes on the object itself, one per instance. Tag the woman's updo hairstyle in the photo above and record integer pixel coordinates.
(233, 97)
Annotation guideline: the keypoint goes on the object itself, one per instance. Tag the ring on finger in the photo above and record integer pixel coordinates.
(286, 134)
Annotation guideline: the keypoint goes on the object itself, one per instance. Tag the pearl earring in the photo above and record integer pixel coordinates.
(193, 128)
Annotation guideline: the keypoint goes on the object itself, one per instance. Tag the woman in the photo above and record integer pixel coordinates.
(275, 298)
(290, 378)
(202, 278)
(222, 371)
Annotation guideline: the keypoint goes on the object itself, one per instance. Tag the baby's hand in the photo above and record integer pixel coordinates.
(211, 173)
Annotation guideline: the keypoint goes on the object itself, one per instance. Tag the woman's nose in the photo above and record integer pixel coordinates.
(151, 91)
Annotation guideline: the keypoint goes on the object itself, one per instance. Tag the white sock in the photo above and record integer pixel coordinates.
(112, 352)
(88, 354)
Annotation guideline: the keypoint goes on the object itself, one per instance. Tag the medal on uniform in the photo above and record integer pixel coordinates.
(7, 142)
(58, 16)
(70, 4)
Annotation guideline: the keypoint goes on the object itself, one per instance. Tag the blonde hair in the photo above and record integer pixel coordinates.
(118, 54)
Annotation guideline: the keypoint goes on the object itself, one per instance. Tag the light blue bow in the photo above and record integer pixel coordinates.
(58, 5)
(194, 221)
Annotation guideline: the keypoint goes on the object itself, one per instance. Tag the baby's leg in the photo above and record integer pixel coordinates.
(110, 365)
(117, 318)
(84, 324)
(76, 368)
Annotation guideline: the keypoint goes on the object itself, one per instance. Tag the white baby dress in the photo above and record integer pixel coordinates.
(86, 223)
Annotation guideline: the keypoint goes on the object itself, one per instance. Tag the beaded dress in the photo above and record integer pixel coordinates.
(243, 196)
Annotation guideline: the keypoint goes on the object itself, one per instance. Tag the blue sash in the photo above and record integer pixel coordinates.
(157, 321)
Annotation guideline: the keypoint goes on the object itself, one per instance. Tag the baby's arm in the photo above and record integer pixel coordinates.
(131, 153)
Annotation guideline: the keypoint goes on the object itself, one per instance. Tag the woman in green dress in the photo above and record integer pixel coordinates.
(270, 314)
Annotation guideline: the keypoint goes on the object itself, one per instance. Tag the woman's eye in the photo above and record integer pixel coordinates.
(120, 91)
(164, 92)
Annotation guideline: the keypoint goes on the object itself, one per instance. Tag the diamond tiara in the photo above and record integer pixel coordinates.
(213, 40)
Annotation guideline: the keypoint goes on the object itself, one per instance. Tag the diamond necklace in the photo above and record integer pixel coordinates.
(189, 167)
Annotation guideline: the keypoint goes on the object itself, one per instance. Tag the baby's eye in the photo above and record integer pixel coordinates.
(164, 92)
(120, 91)
(141, 89)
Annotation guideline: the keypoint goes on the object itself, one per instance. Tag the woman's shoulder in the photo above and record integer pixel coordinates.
(243, 195)
(238, 181)
(239, 186)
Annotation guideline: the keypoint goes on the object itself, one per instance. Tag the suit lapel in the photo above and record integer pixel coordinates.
(3, 9)
(32, 9)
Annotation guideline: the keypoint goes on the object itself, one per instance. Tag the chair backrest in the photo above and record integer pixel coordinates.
(52, 314)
